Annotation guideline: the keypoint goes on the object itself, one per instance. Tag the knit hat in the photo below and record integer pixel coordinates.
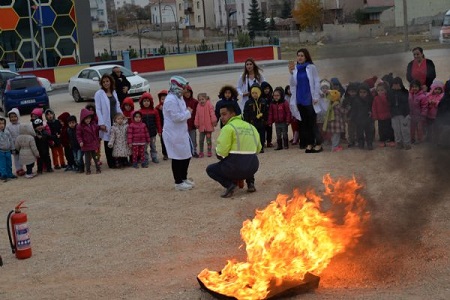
(256, 88)
(37, 112)
(37, 122)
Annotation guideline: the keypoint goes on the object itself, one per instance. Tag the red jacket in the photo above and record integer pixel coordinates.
(279, 112)
(87, 133)
(381, 109)
(138, 134)
(126, 113)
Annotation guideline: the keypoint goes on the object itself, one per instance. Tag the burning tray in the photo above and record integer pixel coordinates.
(288, 288)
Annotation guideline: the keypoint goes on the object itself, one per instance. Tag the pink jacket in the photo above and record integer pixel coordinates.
(381, 108)
(418, 104)
(434, 99)
(138, 134)
(205, 118)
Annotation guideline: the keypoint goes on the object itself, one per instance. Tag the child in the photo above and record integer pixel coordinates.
(205, 121)
(398, 100)
(349, 98)
(118, 140)
(293, 121)
(138, 137)
(74, 144)
(434, 97)
(6, 148)
(36, 113)
(91, 108)
(381, 113)
(13, 128)
(255, 112)
(334, 122)
(322, 107)
(43, 141)
(362, 116)
(128, 108)
(55, 131)
(26, 146)
(62, 118)
(87, 136)
(150, 117)
(192, 103)
(227, 93)
(267, 92)
(161, 97)
(418, 110)
(280, 114)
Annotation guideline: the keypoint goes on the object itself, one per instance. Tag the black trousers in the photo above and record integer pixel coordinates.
(309, 132)
(234, 167)
(110, 160)
(180, 169)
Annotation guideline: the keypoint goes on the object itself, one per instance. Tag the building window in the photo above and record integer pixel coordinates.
(198, 4)
(199, 19)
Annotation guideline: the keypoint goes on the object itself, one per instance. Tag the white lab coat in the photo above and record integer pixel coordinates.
(242, 88)
(314, 85)
(103, 110)
(175, 130)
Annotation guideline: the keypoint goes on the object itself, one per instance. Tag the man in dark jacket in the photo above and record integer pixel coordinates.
(122, 83)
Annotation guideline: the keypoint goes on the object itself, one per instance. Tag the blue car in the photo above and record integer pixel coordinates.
(23, 92)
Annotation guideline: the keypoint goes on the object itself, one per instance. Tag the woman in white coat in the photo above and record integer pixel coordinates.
(252, 74)
(175, 132)
(106, 106)
(304, 102)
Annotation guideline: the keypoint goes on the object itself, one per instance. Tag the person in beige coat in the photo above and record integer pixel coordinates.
(26, 147)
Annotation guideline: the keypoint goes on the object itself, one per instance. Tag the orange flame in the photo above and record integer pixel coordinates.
(291, 237)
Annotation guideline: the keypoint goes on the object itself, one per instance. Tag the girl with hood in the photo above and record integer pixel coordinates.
(280, 114)
(118, 141)
(137, 139)
(227, 93)
(87, 136)
(13, 127)
(398, 100)
(57, 149)
(63, 119)
(255, 113)
(175, 132)
(361, 115)
(418, 109)
(434, 97)
(128, 109)
(267, 92)
(205, 121)
(44, 141)
(252, 75)
(191, 102)
(150, 117)
(26, 147)
(350, 96)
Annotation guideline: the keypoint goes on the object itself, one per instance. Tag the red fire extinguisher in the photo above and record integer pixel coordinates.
(20, 231)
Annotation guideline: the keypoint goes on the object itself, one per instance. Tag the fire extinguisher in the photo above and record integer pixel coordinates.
(20, 243)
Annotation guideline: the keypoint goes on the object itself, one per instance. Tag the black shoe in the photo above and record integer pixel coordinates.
(229, 191)
(251, 188)
(262, 151)
(309, 150)
(314, 150)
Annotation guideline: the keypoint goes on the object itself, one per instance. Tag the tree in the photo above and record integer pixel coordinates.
(308, 13)
(254, 19)
(286, 10)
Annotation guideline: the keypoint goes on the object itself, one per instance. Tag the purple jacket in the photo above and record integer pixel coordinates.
(87, 134)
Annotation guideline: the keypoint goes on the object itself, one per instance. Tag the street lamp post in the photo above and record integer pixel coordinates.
(229, 14)
(33, 50)
(176, 26)
(41, 24)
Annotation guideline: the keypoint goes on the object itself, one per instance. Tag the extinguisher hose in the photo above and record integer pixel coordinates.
(13, 248)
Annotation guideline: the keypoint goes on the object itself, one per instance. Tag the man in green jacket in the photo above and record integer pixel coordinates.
(237, 148)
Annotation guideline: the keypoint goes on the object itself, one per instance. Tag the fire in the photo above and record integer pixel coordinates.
(291, 237)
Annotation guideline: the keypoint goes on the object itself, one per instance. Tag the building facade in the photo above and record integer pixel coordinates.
(163, 12)
(46, 33)
(120, 3)
(99, 15)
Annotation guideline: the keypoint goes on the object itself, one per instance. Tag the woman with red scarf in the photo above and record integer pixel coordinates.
(422, 69)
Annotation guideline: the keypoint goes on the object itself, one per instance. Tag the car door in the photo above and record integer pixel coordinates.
(82, 83)
(93, 78)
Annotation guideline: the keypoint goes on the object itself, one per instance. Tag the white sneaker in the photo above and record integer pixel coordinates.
(182, 186)
(29, 176)
(190, 182)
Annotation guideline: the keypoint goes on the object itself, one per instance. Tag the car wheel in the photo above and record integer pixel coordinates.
(76, 95)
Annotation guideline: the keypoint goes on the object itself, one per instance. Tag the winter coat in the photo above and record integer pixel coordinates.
(443, 113)
(137, 134)
(418, 104)
(279, 112)
(175, 130)
(73, 141)
(314, 86)
(6, 142)
(26, 144)
(55, 131)
(243, 87)
(14, 129)
(434, 100)
(267, 97)
(159, 108)
(361, 114)
(103, 110)
(150, 116)
(118, 140)
(88, 133)
(380, 107)
(120, 82)
(64, 138)
(205, 118)
(128, 113)
(251, 110)
(192, 103)
(44, 141)
(398, 100)
(337, 125)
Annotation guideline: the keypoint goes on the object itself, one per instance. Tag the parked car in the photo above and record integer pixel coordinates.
(6, 74)
(107, 32)
(444, 34)
(84, 85)
(23, 92)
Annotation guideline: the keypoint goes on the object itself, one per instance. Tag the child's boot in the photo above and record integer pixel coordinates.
(279, 145)
(286, 143)
(200, 155)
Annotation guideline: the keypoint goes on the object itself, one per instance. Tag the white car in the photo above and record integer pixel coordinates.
(84, 85)
(6, 74)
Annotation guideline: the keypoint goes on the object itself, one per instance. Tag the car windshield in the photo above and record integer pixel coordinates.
(446, 21)
(125, 71)
(24, 83)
